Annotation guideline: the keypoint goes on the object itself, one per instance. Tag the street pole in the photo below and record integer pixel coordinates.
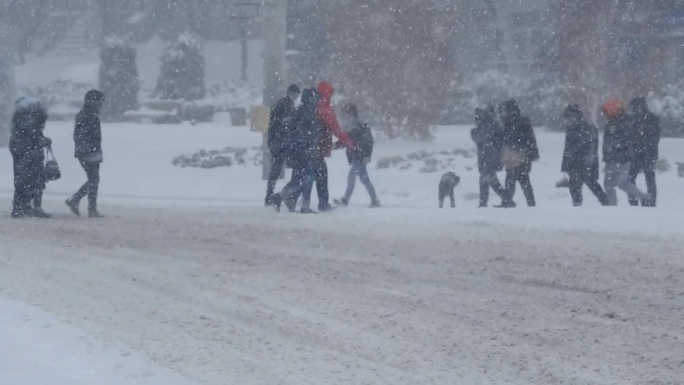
(7, 82)
(244, 50)
(274, 38)
(275, 31)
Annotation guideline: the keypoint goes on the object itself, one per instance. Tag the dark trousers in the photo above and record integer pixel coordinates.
(358, 168)
(91, 186)
(277, 163)
(321, 174)
(577, 180)
(301, 183)
(520, 175)
(27, 180)
(648, 168)
(487, 181)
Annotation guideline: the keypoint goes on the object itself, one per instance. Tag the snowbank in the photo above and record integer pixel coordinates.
(38, 349)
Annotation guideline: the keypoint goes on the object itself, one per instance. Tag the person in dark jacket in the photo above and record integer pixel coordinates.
(301, 154)
(282, 117)
(328, 126)
(518, 152)
(27, 146)
(359, 156)
(487, 136)
(42, 183)
(618, 153)
(646, 128)
(580, 157)
(88, 151)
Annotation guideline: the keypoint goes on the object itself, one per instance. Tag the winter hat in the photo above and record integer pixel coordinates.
(309, 96)
(639, 103)
(351, 110)
(293, 89)
(612, 108)
(510, 109)
(326, 90)
(94, 96)
(27, 103)
(572, 110)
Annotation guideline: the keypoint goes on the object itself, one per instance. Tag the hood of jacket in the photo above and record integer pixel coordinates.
(326, 91)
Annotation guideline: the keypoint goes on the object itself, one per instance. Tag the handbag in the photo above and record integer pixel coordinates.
(512, 158)
(51, 170)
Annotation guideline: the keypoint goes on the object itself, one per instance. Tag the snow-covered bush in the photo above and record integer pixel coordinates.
(430, 161)
(227, 157)
(539, 97)
(182, 70)
(662, 165)
(669, 106)
(119, 77)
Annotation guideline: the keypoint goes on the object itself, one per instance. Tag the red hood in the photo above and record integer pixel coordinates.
(326, 91)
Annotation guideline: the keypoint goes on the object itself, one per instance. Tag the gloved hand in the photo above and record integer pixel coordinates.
(46, 142)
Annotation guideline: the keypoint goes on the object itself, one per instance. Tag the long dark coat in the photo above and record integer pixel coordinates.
(580, 156)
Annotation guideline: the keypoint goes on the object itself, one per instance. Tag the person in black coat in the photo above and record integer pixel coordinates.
(27, 146)
(580, 157)
(88, 151)
(358, 156)
(300, 151)
(282, 118)
(487, 136)
(646, 129)
(518, 152)
(618, 153)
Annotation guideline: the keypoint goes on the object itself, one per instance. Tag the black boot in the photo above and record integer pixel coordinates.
(276, 200)
(93, 213)
(92, 210)
(73, 206)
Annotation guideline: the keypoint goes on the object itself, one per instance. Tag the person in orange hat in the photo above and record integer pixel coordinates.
(618, 153)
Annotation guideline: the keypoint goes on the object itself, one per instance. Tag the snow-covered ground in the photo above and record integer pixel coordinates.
(191, 272)
(38, 348)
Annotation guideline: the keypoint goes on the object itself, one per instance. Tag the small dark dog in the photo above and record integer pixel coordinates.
(446, 188)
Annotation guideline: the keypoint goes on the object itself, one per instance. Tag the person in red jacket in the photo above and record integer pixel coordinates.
(329, 126)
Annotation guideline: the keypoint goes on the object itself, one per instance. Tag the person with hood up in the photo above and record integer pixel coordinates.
(27, 146)
(282, 116)
(328, 126)
(487, 137)
(618, 153)
(519, 151)
(359, 156)
(88, 151)
(646, 128)
(301, 154)
(580, 157)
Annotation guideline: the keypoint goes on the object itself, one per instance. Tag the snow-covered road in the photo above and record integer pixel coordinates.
(246, 296)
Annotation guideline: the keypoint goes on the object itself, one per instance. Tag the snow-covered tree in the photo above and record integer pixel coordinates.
(388, 59)
(119, 77)
(182, 69)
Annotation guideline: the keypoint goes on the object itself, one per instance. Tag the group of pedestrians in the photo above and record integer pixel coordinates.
(302, 138)
(29, 146)
(506, 141)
